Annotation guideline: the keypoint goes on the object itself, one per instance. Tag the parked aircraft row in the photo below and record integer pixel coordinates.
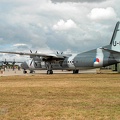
(8, 62)
(96, 58)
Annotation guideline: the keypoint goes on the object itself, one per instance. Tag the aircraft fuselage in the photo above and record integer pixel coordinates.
(87, 60)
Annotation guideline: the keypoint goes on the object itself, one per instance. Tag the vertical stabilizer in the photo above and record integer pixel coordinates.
(115, 41)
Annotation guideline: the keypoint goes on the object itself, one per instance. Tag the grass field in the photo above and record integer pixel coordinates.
(60, 97)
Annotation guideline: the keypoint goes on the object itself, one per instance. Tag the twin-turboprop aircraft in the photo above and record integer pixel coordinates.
(96, 58)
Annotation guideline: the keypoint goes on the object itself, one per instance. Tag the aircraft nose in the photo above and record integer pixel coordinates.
(24, 65)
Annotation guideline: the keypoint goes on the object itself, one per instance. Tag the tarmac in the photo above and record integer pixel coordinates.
(10, 72)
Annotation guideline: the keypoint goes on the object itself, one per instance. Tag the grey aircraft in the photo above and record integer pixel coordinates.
(96, 58)
(5, 63)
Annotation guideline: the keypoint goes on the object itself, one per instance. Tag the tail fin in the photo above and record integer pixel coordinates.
(115, 41)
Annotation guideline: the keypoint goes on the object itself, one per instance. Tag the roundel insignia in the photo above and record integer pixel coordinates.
(96, 60)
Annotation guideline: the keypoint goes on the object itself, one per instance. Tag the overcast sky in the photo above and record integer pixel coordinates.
(56, 25)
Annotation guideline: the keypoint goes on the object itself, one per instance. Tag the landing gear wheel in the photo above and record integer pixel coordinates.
(49, 72)
(24, 72)
(75, 71)
(32, 71)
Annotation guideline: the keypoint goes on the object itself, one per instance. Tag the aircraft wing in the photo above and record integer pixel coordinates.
(46, 56)
(111, 51)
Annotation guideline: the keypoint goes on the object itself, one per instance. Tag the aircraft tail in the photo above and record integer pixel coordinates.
(115, 41)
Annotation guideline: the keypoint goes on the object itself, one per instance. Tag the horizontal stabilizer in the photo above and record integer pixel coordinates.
(111, 51)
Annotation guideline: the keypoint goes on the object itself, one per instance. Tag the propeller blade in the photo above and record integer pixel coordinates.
(31, 62)
(35, 64)
(33, 59)
(13, 62)
(5, 62)
(31, 51)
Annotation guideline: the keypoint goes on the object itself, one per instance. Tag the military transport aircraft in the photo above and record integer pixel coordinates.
(6, 62)
(96, 58)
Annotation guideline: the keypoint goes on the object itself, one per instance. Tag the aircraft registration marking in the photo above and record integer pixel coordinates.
(115, 43)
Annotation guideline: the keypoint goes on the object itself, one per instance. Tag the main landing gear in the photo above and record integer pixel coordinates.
(75, 71)
(49, 68)
(32, 71)
(24, 71)
(49, 71)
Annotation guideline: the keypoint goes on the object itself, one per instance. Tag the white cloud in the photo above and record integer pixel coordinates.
(62, 25)
(1, 39)
(102, 14)
(19, 44)
(34, 23)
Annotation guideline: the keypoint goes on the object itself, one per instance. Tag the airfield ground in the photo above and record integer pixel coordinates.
(10, 72)
(60, 96)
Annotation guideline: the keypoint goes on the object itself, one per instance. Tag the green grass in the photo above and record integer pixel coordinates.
(60, 97)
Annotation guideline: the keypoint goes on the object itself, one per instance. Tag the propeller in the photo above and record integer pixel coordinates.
(13, 63)
(59, 53)
(32, 52)
(5, 62)
(32, 59)
(31, 62)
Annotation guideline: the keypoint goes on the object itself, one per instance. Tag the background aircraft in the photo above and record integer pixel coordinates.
(96, 58)
(6, 63)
